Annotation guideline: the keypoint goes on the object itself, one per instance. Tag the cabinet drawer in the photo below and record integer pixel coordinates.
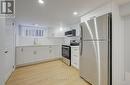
(75, 58)
(75, 50)
(75, 55)
(75, 63)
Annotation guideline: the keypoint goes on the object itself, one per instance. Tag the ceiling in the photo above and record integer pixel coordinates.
(121, 2)
(55, 12)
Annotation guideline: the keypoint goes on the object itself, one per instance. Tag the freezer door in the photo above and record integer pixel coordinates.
(95, 29)
(94, 62)
(101, 25)
(87, 30)
(88, 63)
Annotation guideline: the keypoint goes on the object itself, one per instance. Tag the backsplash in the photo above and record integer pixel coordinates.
(68, 39)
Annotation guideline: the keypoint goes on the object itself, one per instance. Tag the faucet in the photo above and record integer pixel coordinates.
(34, 42)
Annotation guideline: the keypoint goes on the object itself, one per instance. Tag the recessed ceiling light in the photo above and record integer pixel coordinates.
(61, 29)
(75, 13)
(41, 1)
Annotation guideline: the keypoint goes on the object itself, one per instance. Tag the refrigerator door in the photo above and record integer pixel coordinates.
(87, 30)
(94, 60)
(91, 69)
(101, 27)
(95, 29)
(87, 33)
(88, 63)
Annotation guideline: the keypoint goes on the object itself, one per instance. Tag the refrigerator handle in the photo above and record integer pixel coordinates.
(81, 39)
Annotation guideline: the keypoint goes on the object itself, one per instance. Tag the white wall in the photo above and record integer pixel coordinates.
(126, 60)
(125, 16)
(54, 37)
(7, 43)
(2, 58)
(125, 9)
(118, 46)
(118, 38)
(106, 8)
(127, 43)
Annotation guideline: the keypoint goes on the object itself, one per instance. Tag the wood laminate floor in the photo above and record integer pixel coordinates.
(50, 73)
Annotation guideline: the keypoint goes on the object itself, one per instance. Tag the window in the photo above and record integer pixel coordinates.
(32, 31)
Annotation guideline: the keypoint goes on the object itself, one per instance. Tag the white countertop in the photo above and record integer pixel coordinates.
(37, 45)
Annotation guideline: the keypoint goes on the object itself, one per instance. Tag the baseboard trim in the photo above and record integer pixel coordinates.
(9, 75)
(37, 62)
(127, 74)
(74, 67)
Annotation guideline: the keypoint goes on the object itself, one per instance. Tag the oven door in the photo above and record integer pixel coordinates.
(66, 51)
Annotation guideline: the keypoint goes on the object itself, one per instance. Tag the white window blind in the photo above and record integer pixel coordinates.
(32, 31)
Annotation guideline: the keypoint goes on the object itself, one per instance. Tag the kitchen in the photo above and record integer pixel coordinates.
(61, 42)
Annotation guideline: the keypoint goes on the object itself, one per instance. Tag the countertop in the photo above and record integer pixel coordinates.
(37, 45)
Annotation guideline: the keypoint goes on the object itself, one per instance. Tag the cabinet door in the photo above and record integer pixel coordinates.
(55, 51)
(25, 55)
(77, 28)
(75, 63)
(41, 53)
(19, 55)
(75, 56)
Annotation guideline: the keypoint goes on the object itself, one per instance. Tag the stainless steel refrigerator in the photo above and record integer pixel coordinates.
(96, 50)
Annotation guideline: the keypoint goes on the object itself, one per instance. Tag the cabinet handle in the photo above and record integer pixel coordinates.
(75, 55)
(6, 51)
(21, 49)
(75, 49)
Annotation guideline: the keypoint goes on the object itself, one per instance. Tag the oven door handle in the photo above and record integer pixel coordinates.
(65, 47)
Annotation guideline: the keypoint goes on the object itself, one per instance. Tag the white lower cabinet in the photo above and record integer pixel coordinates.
(55, 51)
(75, 55)
(34, 54)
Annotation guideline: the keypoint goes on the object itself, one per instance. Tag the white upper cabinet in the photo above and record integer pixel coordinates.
(77, 28)
(58, 32)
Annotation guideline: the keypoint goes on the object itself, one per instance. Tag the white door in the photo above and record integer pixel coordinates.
(7, 57)
(2, 47)
(9, 46)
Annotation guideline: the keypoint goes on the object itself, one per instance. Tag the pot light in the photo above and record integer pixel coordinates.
(61, 29)
(41, 2)
(75, 13)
